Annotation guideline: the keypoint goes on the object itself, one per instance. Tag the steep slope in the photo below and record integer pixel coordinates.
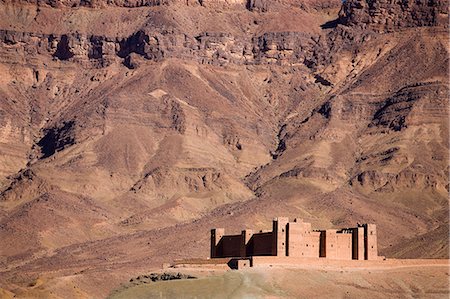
(128, 129)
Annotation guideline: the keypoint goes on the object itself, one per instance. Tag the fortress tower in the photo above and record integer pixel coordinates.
(297, 239)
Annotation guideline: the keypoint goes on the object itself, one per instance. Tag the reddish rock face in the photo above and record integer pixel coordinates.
(391, 15)
(129, 128)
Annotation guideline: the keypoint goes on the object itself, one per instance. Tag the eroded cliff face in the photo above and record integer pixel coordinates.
(392, 15)
(125, 122)
(252, 46)
(251, 5)
(282, 48)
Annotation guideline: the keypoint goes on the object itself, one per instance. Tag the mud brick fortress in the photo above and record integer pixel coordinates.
(297, 239)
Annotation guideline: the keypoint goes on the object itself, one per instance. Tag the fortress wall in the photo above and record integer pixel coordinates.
(229, 246)
(344, 246)
(246, 238)
(260, 244)
(313, 245)
(301, 241)
(322, 242)
(358, 248)
(330, 243)
(263, 261)
(279, 231)
(371, 242)
(306, 227)
(216, 236)
(294, 239)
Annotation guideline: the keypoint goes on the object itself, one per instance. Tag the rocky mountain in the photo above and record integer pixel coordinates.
(129, 128)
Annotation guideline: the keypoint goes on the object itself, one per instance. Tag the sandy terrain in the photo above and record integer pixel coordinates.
(129, 129)
(420, 279)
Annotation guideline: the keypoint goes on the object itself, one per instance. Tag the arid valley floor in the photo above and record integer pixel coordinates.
(129, 129)
(422, 280)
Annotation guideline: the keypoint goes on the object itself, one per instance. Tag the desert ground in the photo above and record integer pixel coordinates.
(392, 278)
(421, 279)
(129, 129)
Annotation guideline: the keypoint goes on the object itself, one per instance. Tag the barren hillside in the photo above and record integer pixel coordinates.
(128, 129)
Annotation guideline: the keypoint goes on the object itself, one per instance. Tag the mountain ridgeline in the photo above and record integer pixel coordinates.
(129, 128)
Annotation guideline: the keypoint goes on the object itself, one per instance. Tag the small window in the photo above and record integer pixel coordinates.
(331, 245)
(306, 245)
(282, 243)
(371, 232)
(372, 246)
(282, 230)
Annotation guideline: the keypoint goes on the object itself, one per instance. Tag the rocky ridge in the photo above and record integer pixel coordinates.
(160, 120)
(387, 15)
